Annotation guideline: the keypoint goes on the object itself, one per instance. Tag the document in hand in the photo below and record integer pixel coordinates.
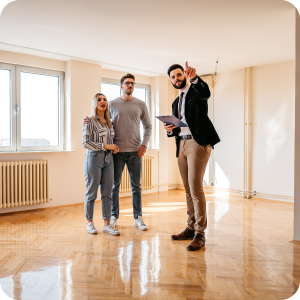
(171, 120)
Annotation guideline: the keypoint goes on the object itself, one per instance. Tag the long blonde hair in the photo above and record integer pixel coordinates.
(94, 110)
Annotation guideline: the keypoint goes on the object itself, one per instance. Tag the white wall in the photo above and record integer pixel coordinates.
(272, 94)
(118, 75)
(174, 175)
(297, 136)
(273, 124)
(228, 119)
(161, 94)
(32, 61)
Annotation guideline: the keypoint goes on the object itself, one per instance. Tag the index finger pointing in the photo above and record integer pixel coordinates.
(186, 65)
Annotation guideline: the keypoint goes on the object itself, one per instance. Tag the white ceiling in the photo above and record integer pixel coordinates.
(152, 35)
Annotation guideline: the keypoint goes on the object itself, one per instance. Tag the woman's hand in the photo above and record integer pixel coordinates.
(112, 147)
(85, 121)
(169, 128)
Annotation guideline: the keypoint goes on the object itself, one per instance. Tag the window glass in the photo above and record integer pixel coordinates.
(39, 99)
(111, 91)
(5, 108)
(139, 93)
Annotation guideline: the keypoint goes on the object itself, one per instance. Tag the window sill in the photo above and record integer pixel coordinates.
(37, 151)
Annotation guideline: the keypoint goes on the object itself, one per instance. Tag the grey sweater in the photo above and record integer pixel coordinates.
(126, 117)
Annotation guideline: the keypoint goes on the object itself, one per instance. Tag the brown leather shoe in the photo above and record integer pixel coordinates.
(186, 234)
(197, 243)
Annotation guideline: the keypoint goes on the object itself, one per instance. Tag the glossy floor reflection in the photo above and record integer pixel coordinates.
(47, 254)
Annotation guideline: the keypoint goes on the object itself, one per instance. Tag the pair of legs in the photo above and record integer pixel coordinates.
(192, 161)
(134, 166)
(98, 171)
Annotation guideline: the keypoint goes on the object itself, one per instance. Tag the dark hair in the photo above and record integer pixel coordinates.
(173, 67)
(127, 76)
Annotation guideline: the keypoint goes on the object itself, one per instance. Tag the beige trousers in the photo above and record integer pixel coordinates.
(192, 161)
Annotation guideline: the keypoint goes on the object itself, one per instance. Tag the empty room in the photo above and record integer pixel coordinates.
(149, 149)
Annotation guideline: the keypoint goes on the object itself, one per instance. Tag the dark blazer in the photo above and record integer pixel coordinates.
(196, 110)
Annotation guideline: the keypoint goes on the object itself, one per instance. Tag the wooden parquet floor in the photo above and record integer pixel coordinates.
(48, 255)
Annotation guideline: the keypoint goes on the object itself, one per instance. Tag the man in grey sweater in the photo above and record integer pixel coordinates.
(126, 113)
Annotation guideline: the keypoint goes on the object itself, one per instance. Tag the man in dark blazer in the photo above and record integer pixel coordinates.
(194, 144)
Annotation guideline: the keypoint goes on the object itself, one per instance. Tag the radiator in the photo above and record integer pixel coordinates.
(23, 183)
(146, 181)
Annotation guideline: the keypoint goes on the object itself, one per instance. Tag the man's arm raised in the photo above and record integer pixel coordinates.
(200, 86)
(189, 72)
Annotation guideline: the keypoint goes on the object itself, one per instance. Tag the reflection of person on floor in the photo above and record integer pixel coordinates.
(126, 113)
(194, 144)
(97, 137)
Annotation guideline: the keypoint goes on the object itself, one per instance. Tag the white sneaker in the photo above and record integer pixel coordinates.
(113, 221)
(111, 230)
(140, 223)
(90, 228)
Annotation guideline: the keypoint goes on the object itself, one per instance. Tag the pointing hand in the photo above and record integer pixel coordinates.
(189, 72)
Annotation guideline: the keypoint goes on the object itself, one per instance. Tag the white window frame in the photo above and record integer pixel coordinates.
(16, 112)
(12, 70)
(138, 85)
(148, 95)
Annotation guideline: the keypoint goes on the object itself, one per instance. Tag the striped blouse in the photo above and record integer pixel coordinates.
(94, 136)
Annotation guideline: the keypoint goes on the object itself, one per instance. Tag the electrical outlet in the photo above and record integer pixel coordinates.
(254, 193)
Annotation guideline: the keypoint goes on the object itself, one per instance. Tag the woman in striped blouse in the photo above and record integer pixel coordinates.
(97, 137)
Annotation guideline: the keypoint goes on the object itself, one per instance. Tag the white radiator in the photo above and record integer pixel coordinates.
(23, 183)
(146, 181)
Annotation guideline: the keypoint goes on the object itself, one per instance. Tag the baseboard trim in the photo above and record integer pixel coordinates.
(274, 197)
(295, 242)
(211, 189)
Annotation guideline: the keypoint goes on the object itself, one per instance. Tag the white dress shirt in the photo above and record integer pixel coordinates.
(185, 130)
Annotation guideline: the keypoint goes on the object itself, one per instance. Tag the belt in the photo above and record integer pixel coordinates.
(187, 137)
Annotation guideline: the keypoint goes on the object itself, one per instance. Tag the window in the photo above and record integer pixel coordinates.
(111, 89)
(7, 97)
(31, 109)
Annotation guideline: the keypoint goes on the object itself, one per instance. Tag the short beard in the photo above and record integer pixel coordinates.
(128, 93)
(183, 84)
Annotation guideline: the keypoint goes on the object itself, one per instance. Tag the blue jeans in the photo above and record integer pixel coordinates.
(134, 165)
(98, 170)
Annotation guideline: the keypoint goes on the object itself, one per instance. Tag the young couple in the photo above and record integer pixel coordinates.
(112, 138)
